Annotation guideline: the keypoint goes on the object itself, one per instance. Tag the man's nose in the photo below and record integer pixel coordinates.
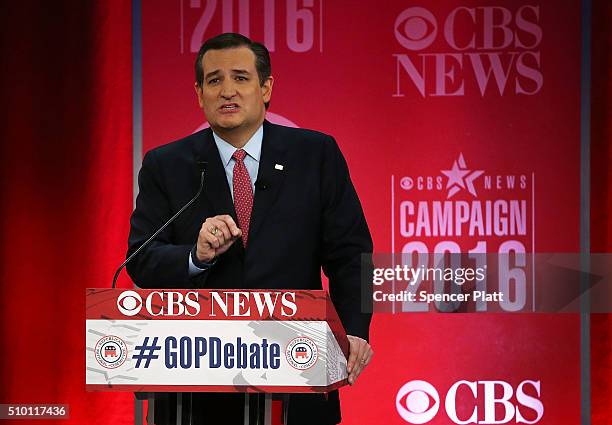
(228, 89)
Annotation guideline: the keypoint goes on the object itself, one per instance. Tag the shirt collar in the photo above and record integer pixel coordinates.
(252, 147)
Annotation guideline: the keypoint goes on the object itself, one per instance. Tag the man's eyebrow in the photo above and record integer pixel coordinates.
(234, 71)
(210, 74)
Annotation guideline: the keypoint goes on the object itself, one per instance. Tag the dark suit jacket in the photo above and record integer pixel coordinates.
(305, 217)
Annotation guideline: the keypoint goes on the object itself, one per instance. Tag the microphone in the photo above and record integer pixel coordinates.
(202, 168)
(201, 165)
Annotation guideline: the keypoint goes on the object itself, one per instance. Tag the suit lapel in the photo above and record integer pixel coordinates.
(269, 177)
(216, 188)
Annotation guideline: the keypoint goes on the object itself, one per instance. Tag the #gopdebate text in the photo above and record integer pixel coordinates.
(228, 355)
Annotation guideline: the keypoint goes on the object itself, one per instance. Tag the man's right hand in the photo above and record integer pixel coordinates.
(216, 236)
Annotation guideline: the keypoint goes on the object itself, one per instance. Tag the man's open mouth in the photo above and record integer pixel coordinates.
(230, 107)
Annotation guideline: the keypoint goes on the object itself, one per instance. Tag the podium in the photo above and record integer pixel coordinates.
(269, 342)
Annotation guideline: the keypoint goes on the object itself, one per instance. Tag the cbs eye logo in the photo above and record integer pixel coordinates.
(417, 402)
(412, 27)
(129, 303)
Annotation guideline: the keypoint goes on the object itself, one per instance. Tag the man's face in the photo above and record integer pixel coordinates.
(230, 95)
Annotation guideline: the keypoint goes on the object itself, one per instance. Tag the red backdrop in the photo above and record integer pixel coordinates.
(66, 193)
(66, 174)
(601, 202)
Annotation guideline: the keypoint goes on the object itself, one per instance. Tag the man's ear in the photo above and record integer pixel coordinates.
(199, 94)
(266, 89)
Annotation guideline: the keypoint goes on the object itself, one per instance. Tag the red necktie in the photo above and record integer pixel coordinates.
(243, 194)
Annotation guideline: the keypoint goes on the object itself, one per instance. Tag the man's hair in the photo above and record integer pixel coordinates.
(230, 40)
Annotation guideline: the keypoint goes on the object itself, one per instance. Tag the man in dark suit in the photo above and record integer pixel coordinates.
(277, 205)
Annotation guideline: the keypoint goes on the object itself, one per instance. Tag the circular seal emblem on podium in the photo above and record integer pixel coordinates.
(111, 352)
(302, 353)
